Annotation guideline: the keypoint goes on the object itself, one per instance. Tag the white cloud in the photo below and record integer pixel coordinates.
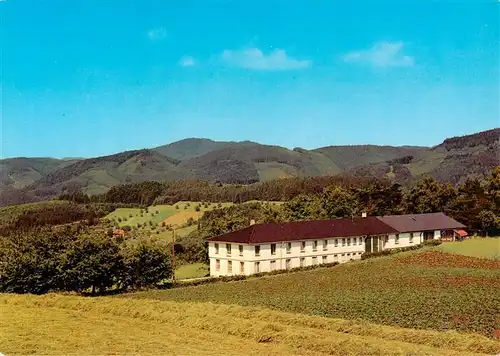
(157, 34)
(382, 54)
(187, 61)
(254, 58)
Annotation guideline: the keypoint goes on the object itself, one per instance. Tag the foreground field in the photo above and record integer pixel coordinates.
(475, 247)
(421, 289)
(63, 325)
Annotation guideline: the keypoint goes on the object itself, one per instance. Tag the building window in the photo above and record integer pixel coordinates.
(335, 258)
(315, 245)
(257, 250)
(386, 239)
(411, 237)
(325, 245)
(336, 242)
(315, 260)
(343, 242)
(348, 242)
(302, 261)
(397, 239)
(323, 259)
(273, 249)
(288, 247)
(288, 263)
(216, 249)
(217, 265)
(257, 267)
(273, 265)
(228, 249)
(242, 267)
(360, 240)
(303, 246)
(355, 241)
(229, 266)
(240, 248)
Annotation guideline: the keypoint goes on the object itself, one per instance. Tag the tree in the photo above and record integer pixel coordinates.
(92, 261)
(429, 196)
(488, 220)
(337, 203)
(145, 265)
(302, 207)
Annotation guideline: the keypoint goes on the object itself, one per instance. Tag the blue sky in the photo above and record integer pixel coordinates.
(92, 77)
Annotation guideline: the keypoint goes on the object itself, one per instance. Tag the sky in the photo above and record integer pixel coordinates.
(86, 78)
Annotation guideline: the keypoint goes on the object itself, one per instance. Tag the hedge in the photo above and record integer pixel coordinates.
(392, 251)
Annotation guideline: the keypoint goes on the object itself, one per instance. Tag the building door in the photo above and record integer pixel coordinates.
(374, 243)
(428, 235)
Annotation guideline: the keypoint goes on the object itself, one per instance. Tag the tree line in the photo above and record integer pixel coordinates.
(80, 260)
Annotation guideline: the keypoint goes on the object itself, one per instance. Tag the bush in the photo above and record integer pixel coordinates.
(197, 208)
(256, 275)
(391, 251)
(177, 207)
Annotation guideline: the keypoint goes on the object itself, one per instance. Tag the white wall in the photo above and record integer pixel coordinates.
(340, 253)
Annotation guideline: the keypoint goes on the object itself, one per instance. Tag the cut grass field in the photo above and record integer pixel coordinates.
(64, 325)
(424, 289)
(475, 247)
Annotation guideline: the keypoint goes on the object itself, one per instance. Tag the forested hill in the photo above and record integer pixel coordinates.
(456, 159)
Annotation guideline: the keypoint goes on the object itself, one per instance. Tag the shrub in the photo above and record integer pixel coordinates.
(119, 220)
(197, 208)
(391, 251)
(177, 207)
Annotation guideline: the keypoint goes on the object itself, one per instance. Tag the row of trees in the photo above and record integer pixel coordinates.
(40, 261)
(152, 192)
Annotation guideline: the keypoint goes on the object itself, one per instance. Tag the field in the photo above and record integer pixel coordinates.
(475, 247)
(424, 289)
(63, 325)
(193, 270)
(176, 214)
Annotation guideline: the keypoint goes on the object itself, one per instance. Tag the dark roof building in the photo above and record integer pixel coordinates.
(307, 230)
(421, 222)
(321, 229)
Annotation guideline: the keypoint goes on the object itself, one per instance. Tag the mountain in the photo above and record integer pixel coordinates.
(30, 179)
(452, 161)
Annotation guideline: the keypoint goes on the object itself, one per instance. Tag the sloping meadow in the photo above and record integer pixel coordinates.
(398, 290)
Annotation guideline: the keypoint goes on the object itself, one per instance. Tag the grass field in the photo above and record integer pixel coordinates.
(175, 215)
(192, 270)
(65, 325)
(424, 289)
(475, 247)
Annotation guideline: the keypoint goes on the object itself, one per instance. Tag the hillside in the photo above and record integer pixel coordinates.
(452, 161)
(59, 325)
(31, 179)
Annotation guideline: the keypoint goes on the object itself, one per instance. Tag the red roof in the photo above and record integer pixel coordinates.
(307, 230)
(421, 222)
(461, 232)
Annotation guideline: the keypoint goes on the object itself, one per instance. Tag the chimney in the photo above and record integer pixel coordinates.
(363, 214)
(252, 222)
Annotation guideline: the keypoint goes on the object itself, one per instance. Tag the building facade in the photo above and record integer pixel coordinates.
(268, 247)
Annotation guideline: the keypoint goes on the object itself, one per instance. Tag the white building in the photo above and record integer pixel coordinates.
(267, 247)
